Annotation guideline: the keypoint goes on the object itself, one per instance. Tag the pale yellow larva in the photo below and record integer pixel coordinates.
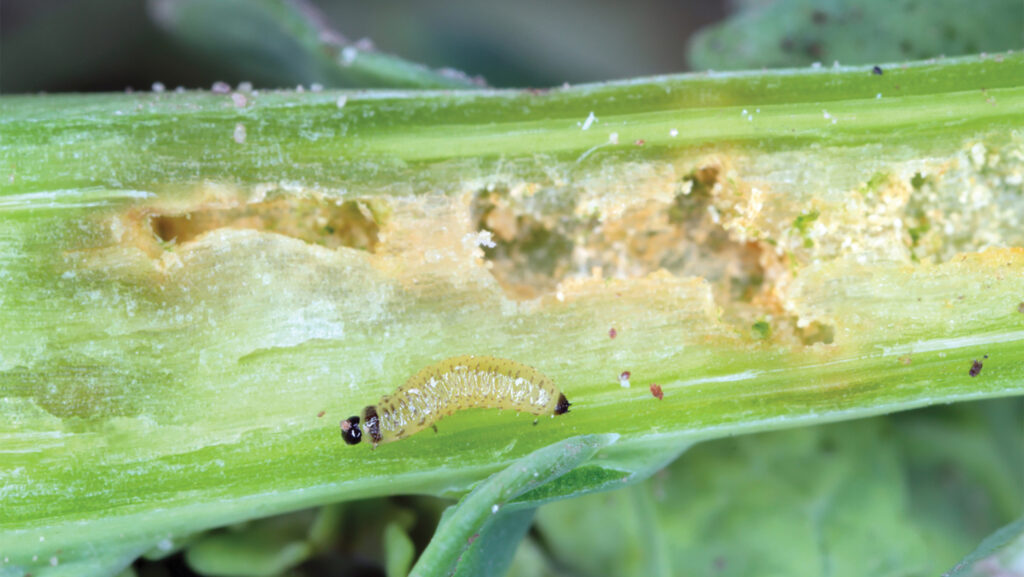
(462, 382)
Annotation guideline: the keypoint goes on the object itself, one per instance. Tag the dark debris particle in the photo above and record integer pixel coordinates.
(612, 333)
(320, 414)
(877, 70)
(657, 392)
(1020, 308)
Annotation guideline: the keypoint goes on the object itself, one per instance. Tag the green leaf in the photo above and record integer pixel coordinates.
(399, 551)
(493, 548)
(800, 32)
(844, 499)
(530, 561)
(1001, 551)
(284, 43)
(263, 548)
(465, 520)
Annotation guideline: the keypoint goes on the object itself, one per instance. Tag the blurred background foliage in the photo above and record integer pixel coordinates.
(89, 45)
(907, 494)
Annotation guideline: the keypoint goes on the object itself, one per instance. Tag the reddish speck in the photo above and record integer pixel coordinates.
(320, 414)
(624, 376)
(639, 142)
(474, 538)
(220, 87)
(657, 392)
(612, 333)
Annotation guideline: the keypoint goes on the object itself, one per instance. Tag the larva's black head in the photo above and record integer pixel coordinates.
(563, 405)
(350, 431)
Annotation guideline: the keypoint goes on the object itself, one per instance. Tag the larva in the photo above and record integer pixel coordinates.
(462, 382)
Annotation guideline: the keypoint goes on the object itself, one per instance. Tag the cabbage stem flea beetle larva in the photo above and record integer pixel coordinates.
(457, 383)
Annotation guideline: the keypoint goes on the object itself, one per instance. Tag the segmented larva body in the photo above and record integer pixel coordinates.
(457, 383)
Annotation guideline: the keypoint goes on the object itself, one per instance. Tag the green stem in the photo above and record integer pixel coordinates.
(196, 288)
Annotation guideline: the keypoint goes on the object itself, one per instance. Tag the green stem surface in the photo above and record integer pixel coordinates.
(195, 288)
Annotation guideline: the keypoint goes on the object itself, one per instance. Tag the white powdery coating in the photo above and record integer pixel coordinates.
(239, 134)
(481, 238)
(342, 101)
(316, 87)
(613, 138)
(978, 155)
(494, 509)
(716, 217)
(245, 86)
(591, 119)
(239, 99)
(220, 87)
(673, 133)
(159, 87)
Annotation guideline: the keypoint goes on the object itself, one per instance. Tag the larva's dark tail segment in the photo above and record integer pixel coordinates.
(372, 424)
(563, 405)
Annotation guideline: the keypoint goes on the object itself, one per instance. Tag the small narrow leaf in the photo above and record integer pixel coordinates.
(492, 549)
(459, 525)
(1002, 551)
